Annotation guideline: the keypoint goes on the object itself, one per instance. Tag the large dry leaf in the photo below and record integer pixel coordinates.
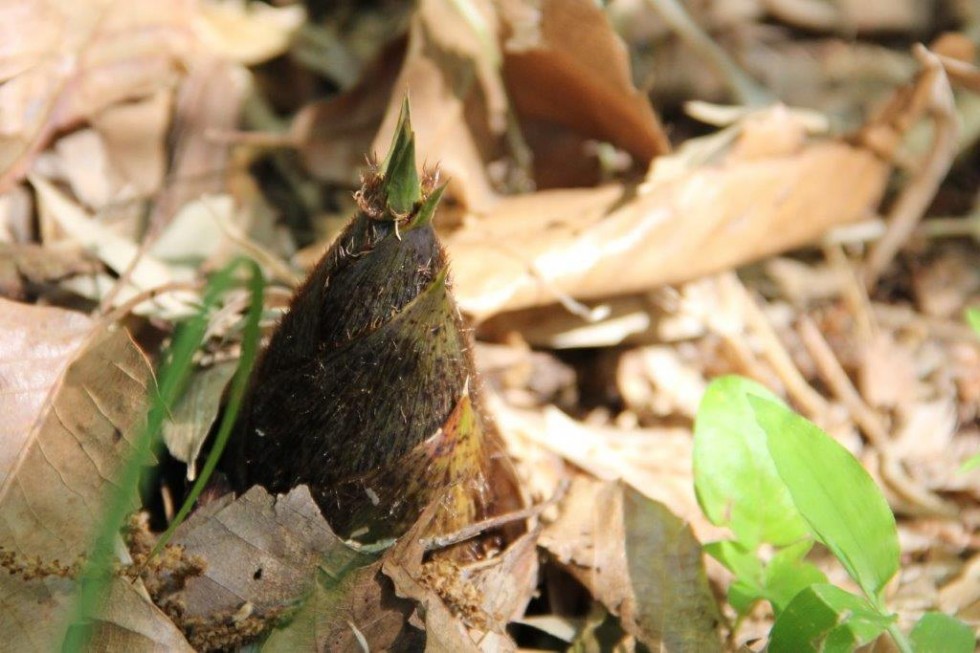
(641, 561)
(52, 498)
(692, 217)
(261, 550)
(51, 502)
(37, 344)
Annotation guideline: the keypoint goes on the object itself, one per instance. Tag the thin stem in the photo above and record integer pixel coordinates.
(901, 641)
(746, 89)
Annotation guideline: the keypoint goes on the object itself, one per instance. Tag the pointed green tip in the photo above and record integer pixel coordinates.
(428, 208)
(401, 179)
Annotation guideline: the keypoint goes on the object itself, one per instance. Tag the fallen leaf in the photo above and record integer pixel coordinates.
(450, 75)
(261, 550)
(67, 62)
(117, 252)
(564, 63)
(641, 561)
(656, 462)
(70, 61)
(403, 565)
(345, 612)
(38, 343)
(52, 498)
(190, 419)
(247, 32)
(129, 621)
(692, 217)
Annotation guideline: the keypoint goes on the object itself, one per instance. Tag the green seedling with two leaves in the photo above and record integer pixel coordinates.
(781, 484)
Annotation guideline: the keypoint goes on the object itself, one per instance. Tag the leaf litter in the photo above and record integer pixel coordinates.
(592, 238)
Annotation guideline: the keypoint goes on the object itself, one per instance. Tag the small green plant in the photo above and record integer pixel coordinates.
(780, 483)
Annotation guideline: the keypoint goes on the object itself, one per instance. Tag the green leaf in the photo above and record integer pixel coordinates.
(972, 463)
(825, 618)
(844, 508)
(747, 588)
(735, 479)
(973, 319)
(401, 178)
(787, 574)
(940, 633)
(428, 209)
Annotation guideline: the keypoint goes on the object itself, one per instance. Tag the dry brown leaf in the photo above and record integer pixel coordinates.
(403, 565)
(68, 62)
(52, 498)
(37, 344)
(208, 103)
(51, 501)
(458, 100)
(134, 135)
(563, 63)
(344, 613)
(128, 621)
(261, 550)
(656, 462)
(246, 32)
(640, 561)
(687, 221)
(334, 135)
(508, 583)
(190, 419)
(464, 607)
(65, 63)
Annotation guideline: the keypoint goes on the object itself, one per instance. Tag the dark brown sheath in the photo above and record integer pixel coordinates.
(366, 390)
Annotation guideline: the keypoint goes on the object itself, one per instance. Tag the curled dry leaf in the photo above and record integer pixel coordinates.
(457, 69)
(689, 219)
(52, 498)
(640, 560)
(563, 63)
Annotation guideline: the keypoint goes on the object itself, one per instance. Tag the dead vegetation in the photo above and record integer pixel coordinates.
(636, 203)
